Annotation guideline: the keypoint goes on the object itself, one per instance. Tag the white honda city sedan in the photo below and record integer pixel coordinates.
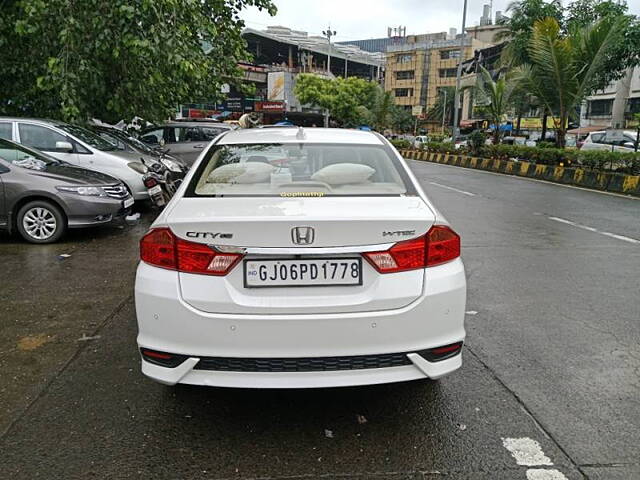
(293, 258)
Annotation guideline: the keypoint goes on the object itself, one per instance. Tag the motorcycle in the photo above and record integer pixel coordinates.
(163, 178)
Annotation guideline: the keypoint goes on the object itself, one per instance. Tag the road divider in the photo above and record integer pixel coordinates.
(576, 176)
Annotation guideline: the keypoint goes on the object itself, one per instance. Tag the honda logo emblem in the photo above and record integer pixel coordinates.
(302, 235)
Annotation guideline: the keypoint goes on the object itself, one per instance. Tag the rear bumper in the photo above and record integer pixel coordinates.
(168, 324)
(186, 373)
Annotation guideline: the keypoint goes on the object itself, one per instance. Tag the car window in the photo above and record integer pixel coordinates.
(20, 156)
(212, 132)
(120, 145)
(5, 130)
(153, 136)
(88, 137)
(597, 137)
(130, 141)
(186, 134)
(40, 137)
(300, 170)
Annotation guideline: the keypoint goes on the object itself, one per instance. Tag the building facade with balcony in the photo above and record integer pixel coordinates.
(616, 105)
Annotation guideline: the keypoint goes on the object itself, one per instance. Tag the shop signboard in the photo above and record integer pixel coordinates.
(535, 122)
(234, 104)
(275, 107)
(200, 113)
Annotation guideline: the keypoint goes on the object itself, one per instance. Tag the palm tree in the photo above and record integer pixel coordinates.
(382, 107)
(562, 68)
(495, 96)
(443, 106)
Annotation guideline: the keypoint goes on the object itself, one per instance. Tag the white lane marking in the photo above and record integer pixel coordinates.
(594, 230)
(454, 189)
(544, 474)
(515, 177)
(526, 451)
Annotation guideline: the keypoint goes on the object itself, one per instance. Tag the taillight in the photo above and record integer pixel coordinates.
(161, 248)
(439, 245)
(158, 247)
(198, 258)
(443, 245)
(150, 182)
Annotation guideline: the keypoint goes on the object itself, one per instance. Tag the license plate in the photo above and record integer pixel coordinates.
(155, 190)
(128, 202)
(303, 272)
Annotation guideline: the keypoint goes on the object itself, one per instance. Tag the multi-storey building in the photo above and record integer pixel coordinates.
(614, 106)
(416, 73)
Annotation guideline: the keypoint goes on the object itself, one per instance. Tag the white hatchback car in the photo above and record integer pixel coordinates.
(294, 258)
(598, 141)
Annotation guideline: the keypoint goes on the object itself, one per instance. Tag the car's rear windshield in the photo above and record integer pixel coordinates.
(301, 169)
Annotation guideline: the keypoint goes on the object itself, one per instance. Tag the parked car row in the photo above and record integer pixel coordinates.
(75, 174)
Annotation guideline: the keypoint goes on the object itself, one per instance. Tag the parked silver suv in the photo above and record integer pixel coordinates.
(41, 196)
(78, 146)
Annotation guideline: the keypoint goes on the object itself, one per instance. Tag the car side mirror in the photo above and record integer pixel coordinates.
(162, 142)
(64, 147)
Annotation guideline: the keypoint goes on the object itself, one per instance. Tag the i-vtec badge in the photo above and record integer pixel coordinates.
(209, 235)
(399, 233)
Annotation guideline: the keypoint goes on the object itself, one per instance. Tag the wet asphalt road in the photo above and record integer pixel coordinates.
(552, 357)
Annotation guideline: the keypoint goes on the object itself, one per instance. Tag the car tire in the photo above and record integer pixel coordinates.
(41, 221)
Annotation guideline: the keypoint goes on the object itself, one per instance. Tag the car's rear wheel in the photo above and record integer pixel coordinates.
(41, 221)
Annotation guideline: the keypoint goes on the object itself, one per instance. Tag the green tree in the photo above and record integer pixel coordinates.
(496, 97)
(563, 68)
(625, 52)
(401, 119)
(344, 98)
(519, 24)
(443, 106)
(381, 115)
(117, 59)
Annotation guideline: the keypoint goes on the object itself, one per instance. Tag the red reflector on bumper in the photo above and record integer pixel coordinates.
(441, 353)
(158, 355)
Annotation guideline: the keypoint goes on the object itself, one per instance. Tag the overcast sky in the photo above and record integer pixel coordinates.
(360, 19)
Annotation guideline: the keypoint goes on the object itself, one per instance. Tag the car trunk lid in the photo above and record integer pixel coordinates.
(343, 228)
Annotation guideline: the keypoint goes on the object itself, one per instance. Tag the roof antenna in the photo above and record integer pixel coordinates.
(301, 135)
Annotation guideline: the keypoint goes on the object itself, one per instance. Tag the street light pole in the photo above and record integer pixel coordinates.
(444, 109)
(329, 33)
(346, 60)
(456, 100)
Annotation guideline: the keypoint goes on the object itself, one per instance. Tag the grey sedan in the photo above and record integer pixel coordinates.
(41, 196)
